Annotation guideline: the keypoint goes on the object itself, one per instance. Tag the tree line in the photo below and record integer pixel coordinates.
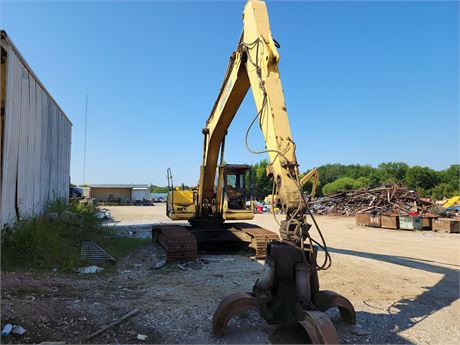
(334, 178)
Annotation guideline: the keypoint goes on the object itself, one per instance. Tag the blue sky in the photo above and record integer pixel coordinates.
(364, 82)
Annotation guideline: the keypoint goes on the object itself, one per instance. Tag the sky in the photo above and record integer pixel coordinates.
(364, 82)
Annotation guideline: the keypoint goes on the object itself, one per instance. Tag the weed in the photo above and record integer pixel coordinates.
(44, 242)
(40, 243)
(121, 246)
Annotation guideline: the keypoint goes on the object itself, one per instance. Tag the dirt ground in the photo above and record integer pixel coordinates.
(404, 286)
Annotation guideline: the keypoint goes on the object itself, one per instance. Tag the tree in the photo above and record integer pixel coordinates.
(344, 184)
(449, 183)
(437, 184)
(157, 189)
(421, 178)
(442, 190)
(262, 184)
(451, 175)
(393, 171)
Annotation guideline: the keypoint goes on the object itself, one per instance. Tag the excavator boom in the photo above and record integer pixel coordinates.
(288, 290)
(254, 65)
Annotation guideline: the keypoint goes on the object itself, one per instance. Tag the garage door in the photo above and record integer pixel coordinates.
(138, 194)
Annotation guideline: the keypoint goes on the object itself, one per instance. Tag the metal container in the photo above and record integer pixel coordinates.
(428, 223)
(362, 219)
(374, 221)
(390, 222)
(446, 225)
(410, 223)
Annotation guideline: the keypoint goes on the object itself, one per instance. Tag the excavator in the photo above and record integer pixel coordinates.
(288, 290)
(311, 175)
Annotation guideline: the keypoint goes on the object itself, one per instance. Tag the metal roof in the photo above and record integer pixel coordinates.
(134, 186)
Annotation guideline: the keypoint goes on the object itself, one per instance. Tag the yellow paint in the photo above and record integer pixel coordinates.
(312, 174)
(452, 201)
(253, 65)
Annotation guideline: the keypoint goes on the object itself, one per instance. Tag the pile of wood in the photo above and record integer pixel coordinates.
(390, 199)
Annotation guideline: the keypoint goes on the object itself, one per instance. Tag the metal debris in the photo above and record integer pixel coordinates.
(114, 323)
(94, 254)
(160, 264)
(89, 269)
(104, 214)
(141, 337)
(389, 199)
(18, 330)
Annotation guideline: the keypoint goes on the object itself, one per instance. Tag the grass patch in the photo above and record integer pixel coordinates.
(122, 246)
(54, 240)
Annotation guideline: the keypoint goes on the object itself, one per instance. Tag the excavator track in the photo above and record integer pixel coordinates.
(181, 242)
(178, 242)
(260, 238)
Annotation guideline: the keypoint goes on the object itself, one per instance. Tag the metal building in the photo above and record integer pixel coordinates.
(124, 193)
(35, 139)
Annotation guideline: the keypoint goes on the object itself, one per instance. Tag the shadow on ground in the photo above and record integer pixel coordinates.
(410, 310)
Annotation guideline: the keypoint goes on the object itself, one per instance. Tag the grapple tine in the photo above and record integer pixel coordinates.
(326, 299)
(311, 331)
(229, 307)
(319, 327)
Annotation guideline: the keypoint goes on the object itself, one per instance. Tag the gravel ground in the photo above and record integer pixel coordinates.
(404, 286)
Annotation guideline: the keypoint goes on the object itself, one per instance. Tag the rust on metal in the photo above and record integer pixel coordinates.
(94, 254)
(229, 307)
(319, 327)
(178, 242)
(326, 299)
(181, 242)
(260, 237)
(288, 292)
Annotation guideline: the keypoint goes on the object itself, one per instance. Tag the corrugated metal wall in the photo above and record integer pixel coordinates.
(36, 143)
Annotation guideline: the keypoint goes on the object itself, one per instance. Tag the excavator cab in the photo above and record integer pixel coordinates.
(236, 183)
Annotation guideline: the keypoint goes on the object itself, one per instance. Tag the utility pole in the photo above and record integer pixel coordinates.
(84, 148)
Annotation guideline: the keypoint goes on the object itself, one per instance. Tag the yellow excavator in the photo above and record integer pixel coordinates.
(288, 289)
(311, 175)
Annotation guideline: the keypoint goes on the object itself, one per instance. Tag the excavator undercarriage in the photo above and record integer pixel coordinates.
(182, 242)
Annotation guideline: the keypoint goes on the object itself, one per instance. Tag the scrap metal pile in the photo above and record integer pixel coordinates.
(389, 199)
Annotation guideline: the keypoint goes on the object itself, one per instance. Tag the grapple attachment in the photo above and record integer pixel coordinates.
(288, 292)
(231, 306)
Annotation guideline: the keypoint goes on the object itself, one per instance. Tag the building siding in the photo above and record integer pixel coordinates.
(36, 140)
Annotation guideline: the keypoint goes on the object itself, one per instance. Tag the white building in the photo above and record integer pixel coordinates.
(119, 192)
(35, 139)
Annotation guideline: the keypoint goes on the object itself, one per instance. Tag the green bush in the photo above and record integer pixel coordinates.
(344, 184)
(54, 240)
(39, 243)
(428, 182)
(421, 178)
(48, 242)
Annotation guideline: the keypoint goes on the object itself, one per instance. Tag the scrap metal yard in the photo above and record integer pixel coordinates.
(159, 216)
(404, 289)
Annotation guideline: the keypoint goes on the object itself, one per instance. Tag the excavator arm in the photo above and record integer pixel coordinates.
(311, 175)
(288, 290)
(254, 65)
